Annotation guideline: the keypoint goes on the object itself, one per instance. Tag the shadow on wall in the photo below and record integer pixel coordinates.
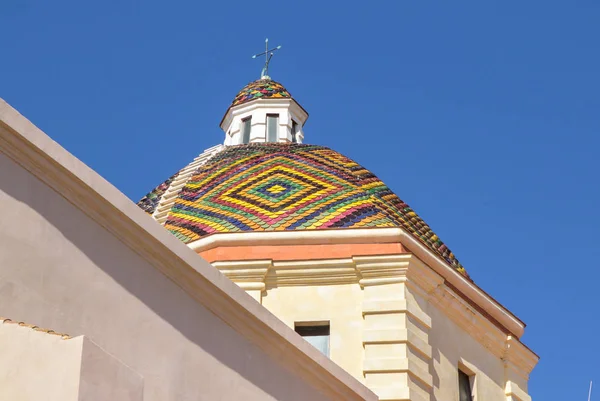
(452, 354)
(75, 284)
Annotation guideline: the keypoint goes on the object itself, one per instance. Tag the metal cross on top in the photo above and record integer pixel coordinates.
(268, 55)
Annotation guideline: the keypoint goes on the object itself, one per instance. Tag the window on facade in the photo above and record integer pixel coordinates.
(246, 127)
(294, 131)
(464, 387)
(272, 127)
(317, 334)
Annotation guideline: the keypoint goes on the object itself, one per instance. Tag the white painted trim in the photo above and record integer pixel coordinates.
(168, 198)
(370, 235)
(258, 110)
(295, 108)
(305, 237)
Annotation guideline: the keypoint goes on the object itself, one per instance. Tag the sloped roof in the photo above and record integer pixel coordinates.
(261, 89)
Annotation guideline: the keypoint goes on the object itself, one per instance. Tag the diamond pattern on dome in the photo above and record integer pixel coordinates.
(280, 186)
(261, 89)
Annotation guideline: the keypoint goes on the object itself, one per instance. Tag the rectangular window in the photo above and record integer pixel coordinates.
(464, 387)
(246, 127)
(294, 131)
(317, 334)
(272, 127)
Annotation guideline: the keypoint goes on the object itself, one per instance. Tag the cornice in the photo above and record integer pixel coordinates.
(290, 103)
(268, 273)
(376, 235)
(519, 357)
(305, 237)
(405, 268)
(467, 287)
(373, 271)
(33, 150)
(470, 320)
(419, 278)
(312, 272)
(376, 270)
(248, 275)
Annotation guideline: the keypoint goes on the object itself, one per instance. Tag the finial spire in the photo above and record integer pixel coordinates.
(268, 55)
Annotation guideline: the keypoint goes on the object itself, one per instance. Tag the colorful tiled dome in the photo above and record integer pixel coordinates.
(282, 186)
(261, 89)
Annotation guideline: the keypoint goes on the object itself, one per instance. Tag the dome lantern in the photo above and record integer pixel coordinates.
(264, 111)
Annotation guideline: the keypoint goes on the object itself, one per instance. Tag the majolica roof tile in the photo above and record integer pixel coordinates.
(280, 186)
(149, 202)
(261, 89)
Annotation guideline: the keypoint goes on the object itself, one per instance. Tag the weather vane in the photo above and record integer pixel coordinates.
(268, 56)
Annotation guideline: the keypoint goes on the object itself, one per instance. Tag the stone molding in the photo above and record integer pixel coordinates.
(312, 272)
(248, 275)
(514, 393)
(411, 276)
(466, 287)
(381, 270)
(282, 103)
(519, 356)
(288, 110)
(519, 361)
(398, 356)
(34, 151)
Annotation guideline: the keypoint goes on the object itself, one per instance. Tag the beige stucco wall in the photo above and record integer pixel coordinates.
(338, 304)
(60, 268)
(452, 346)
(396, 326)
(342, 306)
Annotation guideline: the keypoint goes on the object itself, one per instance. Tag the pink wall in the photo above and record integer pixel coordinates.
(60, 269)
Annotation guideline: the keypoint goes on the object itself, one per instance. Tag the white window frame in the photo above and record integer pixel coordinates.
(243, 130)
(269, 119)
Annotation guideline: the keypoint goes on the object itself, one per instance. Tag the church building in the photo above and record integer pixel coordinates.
(329, 249)
(268, 268)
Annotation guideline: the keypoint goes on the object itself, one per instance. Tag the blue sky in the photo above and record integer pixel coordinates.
(483, 116)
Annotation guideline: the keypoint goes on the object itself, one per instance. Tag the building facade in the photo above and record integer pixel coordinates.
(98, 302)
(330, 250)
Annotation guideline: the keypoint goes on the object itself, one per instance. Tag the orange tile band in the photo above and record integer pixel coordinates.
(299, 252)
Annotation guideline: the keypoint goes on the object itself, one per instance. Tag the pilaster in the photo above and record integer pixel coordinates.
(400, 294)
(519, 361)
(398, 357)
